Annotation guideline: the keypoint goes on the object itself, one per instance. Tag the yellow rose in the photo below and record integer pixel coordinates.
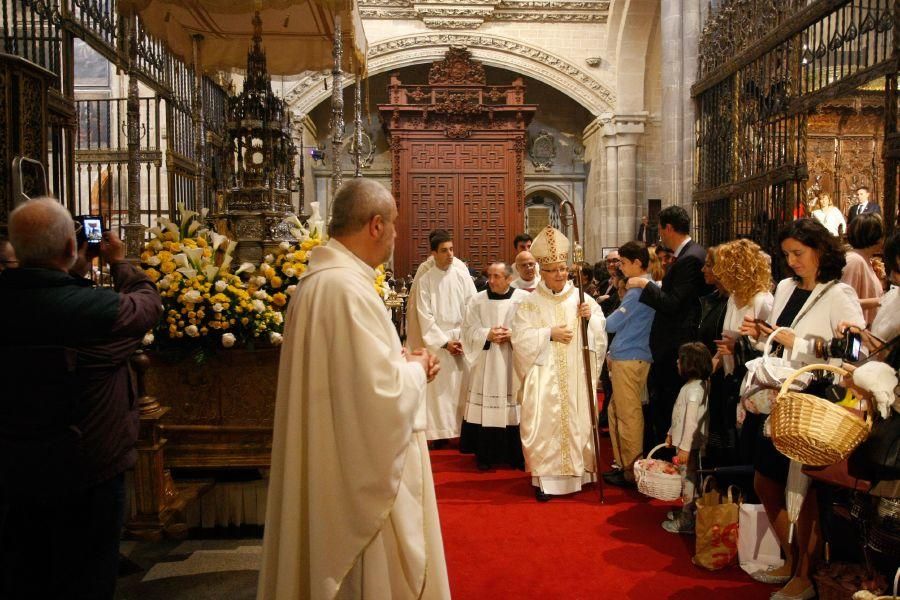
(167, 267)
(276, 282)
(153, 274)
(201, 243)
(279, 299)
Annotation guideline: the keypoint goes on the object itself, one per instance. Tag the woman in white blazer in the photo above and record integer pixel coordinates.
(811, 303)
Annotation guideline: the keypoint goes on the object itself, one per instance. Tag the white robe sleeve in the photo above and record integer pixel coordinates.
(843, 305)
(530, 339)
(432, 335)
(474, 333)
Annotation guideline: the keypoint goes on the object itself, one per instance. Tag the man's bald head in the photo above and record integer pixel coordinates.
(43, 234)
(356, 203)
(526, 266)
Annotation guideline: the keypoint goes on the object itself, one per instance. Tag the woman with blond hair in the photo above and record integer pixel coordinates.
(745, 272)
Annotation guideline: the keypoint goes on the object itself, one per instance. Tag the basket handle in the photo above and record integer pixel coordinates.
(655, 448)
(820, 367)
(740, 494)
(896, 582)
(706, 481)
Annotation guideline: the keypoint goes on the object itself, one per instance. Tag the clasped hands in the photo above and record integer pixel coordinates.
(429, 362)
(563, 333)
(499, 335)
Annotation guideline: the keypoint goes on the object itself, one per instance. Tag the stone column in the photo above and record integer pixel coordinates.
(680, 28)
(594, 189)
(612, 184)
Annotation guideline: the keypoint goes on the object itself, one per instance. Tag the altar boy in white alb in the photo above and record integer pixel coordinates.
(556, 418)
(441, 299)
(490, 426)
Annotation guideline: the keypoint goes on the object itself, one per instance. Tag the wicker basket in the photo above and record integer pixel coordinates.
(662, 486)
(812, 430)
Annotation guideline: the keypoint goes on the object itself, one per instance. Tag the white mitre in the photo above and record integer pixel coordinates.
(550, 246)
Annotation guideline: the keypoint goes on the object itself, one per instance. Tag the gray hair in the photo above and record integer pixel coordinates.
(39, 231)
(507, 268)
(355, 203)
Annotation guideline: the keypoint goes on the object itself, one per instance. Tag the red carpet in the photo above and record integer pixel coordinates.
(500, 543)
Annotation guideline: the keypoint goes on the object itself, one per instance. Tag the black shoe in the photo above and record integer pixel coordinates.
(617, 478)
(483, 466)
(541, 496)
(438, 444)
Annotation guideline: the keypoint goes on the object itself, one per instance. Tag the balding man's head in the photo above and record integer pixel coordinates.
(43, 234)
(526, 266)
(362, 219)
(356, 203)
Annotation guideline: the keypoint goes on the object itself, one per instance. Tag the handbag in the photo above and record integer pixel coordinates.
(716, 528)
(879, 455)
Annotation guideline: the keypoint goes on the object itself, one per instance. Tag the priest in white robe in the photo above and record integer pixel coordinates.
(490, 428)
(441, 299)
(351, 509)
(526, 267)
(556, 424)
(413, 332)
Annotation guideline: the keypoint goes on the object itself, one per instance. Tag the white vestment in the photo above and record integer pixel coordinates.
(413, 332)
(556, 424)
(351, 508)
(528, 286)
(493, 387)
(440, 306)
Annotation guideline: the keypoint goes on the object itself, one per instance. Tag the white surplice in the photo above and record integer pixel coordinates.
(555, 423)
(527, 286)
(351, 508)
(441, 300)
(413, 332)
(491, 400)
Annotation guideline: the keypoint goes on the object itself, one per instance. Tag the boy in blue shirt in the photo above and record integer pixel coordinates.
(629, 365)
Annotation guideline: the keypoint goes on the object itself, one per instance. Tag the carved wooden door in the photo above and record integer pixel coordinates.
(466, 187)
(457, 148)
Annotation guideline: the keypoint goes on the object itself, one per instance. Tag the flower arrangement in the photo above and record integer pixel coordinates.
(205, 302)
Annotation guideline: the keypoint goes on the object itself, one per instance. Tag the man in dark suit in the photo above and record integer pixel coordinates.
(863, 205)
(645, 233)
(677, 314)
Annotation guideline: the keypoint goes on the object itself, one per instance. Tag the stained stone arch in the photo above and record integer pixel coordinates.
(492, 50)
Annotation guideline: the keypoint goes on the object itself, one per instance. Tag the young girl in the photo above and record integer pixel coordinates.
(689, 428)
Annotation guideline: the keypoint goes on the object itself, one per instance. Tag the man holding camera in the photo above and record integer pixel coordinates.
(68, 415)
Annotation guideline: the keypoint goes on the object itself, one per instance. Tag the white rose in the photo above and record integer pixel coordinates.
(290, 272)
(192, 296)
(164, 283)
(278, 318)
(218, 307)
(269, 258)
(221, 285)
(275, 338)
(285, 246)
(191, 331)
(259, 306)
(290, 290)
(228, 340)
(259, 281)
(155, 244)
(153, 261)
(148, 338)
(259, 295)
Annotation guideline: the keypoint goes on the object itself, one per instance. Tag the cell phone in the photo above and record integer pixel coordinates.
(91, 230)
(761, 322)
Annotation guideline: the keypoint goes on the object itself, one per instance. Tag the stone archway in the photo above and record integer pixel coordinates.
(491, 50)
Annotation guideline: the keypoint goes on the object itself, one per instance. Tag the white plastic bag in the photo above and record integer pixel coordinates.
(758, 547)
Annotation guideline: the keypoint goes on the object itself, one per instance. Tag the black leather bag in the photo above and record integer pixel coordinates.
(880, 453)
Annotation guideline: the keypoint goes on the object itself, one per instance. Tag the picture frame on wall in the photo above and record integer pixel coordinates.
(607, 249)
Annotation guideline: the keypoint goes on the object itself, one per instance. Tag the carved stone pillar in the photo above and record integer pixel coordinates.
(594, 189)
(621, 134)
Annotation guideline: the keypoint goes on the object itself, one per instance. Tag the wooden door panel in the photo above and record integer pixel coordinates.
(433, 201)
(480, 157)
(433, 156)
(484, 216)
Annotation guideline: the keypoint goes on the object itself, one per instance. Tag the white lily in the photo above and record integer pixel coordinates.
(194, 227)
(210, 271)
(195, 255)
(217, 240)
(246, 267)
(226, 262)
(181, 260)
(188, 272)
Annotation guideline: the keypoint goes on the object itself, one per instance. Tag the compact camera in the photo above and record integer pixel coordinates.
(845, 348)
(89, 228)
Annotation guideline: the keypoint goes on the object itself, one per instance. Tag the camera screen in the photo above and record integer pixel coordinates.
(93, 231)
(855, 343)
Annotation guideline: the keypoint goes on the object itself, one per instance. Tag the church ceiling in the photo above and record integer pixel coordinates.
(446, 14)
